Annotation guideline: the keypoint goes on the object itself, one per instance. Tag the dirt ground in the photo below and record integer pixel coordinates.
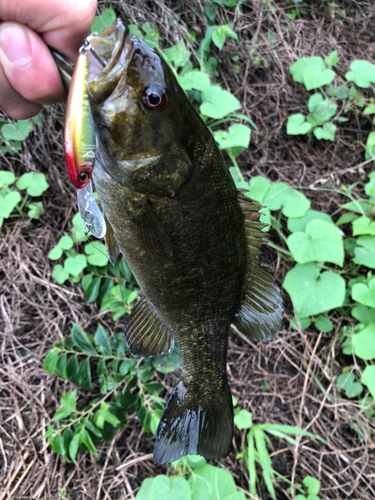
(289, 381)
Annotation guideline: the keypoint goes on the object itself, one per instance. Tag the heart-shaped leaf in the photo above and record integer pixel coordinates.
(364, 342)
(194, 80)
(322, 110)
(364, 294)
(347, 383)
(97, 254)
(297, 125)
(363, 225)
(6, 178)
(299, 68)
(8, 203)
(326, 132)
(292, 202)
(16, 131)
(237, 136)
(218, 102)
(35, 183)
(300, 223)
(363, 314)
(362, 73)
(313, 293)
(75, 265)
(365, 251)
(315, 77)
(258, 187)
(35, 210)
(211, 482)
(60, 274)
(169, 488)
(368, 379)
(321, 242)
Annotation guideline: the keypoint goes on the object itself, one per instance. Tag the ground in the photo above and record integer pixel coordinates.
(290, 380)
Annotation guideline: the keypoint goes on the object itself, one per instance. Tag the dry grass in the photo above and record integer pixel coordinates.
(291, 380)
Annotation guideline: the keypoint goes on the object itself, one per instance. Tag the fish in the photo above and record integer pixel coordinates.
(189, 236)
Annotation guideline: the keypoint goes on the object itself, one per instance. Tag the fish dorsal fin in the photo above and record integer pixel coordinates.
(261, 310)
(113, 250)
(150, 232)
(145, 332)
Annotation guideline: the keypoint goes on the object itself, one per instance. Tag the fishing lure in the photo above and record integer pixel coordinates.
(80, 146)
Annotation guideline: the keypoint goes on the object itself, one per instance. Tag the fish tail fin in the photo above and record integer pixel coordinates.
(194, 424)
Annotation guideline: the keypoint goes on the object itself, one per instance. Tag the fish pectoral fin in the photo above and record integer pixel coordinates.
(261, 310)
(146, 333)
(113, 250)
(150, 232)
(194, 424)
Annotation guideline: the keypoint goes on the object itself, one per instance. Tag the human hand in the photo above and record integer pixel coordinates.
(28, 74)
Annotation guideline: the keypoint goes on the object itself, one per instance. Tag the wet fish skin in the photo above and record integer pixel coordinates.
(190, 238)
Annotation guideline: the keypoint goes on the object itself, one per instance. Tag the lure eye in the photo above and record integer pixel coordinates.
(155, 98)
(83, 177)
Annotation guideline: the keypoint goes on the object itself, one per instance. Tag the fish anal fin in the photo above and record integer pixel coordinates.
(145, 332)
(261, 310)
(194, 425)
(113, 250)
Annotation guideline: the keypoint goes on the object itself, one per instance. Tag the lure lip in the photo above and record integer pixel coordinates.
(90, 213)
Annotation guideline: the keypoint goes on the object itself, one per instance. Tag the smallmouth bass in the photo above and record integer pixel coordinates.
(190, 238)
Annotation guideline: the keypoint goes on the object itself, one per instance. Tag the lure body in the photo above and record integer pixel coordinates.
(80, 145)
(79, 136)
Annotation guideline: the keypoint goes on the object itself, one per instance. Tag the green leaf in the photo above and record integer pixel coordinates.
(292, 202)
(59, 274)
(363, 314)
(345, 218)
(102, 342)
(322, 110)
(169, 488)
(237, 136)
(6, 178)
(50, 362)
(35, 210)
(194, 80)
(57, 444)
(69, 400)
(55, 254)
(78, 230)
(209, 482)
(72, 370)
(144, 491)
(243, 419)
(34, 183)
(331, 60)
(218, 103)
(8, 203)
(298, 323)
(65, 242)
(74, 445)
(92, 292)
(84, 374)
(178, 55)
(81, 341)
(87, 441)
(363, 225)
(368, 379)
(364, 294)
(347, 383)
(296, 125)
(75, 265)
(321, 242)
(299, 224)
(258, 187)
(364, 342)
(16, 131)
(86, 282)
(61, 366)
(323, 324)
(313, 293)
(97, 254)
(362, 73)
(154, 387)
(359, 207)
(312, 72)
(107, 17)
(365, 251)
(326, 132)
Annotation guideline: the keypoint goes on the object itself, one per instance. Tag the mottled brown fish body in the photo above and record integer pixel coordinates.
(190, 238)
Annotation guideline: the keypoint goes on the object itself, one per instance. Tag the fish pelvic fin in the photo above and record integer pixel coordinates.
(261, 309)
(194, 425)
(145, 332)
(113, 250)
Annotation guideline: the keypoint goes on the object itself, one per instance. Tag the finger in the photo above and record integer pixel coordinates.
(12, 103)
(28, 65)
(63, 25)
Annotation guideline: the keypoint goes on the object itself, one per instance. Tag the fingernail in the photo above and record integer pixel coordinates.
(15, 44)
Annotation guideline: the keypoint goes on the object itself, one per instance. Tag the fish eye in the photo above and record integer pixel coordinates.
(83, 177)
(155, 98)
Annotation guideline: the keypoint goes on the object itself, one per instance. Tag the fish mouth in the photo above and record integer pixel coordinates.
(109, 56)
